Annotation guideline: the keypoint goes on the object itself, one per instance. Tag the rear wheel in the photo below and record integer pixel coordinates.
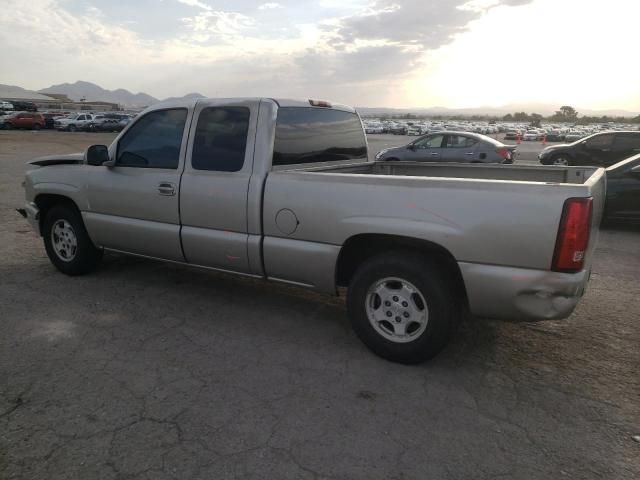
(403, 307)
(67, 242)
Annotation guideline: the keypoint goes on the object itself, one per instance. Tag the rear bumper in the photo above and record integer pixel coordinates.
(520, 293)
(32, 214)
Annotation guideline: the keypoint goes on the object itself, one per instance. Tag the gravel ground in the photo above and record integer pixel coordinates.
(146, 370)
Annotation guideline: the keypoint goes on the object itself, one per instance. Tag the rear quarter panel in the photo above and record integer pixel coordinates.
(479, 221)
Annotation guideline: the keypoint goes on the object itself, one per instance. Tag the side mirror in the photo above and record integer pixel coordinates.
(97, 155)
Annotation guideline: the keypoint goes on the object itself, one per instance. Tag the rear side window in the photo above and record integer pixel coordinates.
(600, 141)
(221, 139)
(458, 141)
(154, 140)
(627, 142)
(309, 135)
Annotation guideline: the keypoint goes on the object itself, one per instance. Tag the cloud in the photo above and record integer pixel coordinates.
(196, 3)
(218, 25)
(357, 53)
(270, 6)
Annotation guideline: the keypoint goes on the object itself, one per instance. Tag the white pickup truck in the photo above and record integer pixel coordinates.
(74, 122)
(283, 190)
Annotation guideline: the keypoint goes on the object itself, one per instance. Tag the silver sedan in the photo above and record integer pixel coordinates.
(462, 147)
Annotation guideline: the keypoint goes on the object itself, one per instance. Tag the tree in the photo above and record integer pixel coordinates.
(508, 117)
(536, 118)
(565, 114)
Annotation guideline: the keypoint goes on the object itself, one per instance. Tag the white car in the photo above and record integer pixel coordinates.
(531, 136)
(73, 123)
(6, 105)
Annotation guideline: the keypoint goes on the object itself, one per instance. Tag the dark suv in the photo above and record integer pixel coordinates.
(600, 150)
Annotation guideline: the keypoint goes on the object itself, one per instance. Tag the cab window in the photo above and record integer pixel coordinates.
(221, 139)
(154, 141)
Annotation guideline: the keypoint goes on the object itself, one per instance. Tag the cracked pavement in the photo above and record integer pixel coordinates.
(147, 370)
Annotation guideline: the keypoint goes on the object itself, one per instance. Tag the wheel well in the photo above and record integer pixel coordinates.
(360, 248)
(46, 201)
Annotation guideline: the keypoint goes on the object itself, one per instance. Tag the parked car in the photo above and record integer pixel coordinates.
(623, 191)
(6, 106)
(554, 136)
(574, 136)
(512, 135)
(283, 190)
(74, 122)
(447, 146)
(50, 118)
(20, 106)
(398, 129)
(106, 125)
(28, 120)
(600, 149)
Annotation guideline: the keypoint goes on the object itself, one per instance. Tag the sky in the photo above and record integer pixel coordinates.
(393, 53)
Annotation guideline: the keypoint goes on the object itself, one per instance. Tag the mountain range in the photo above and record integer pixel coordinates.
(92, 92)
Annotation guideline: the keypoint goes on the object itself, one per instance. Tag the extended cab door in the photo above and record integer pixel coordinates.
(133, 205)
(215, 184)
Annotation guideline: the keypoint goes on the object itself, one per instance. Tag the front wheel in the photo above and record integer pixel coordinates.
(403, 307)
(560, 160)
(67, 242)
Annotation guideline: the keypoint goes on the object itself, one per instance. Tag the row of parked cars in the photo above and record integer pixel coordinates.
(72, 122)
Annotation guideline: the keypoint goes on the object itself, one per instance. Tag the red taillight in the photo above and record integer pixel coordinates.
(573, 235)
(504, 153)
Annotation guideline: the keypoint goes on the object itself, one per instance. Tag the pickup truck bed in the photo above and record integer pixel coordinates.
(494, 220)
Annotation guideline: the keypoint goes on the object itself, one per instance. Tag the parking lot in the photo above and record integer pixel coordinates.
(147, 370)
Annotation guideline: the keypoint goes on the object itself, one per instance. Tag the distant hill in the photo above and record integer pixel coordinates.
(92, 92)
(19, 93)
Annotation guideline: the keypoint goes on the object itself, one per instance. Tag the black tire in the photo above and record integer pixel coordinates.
(433, 283)
(36, 126)
(86, 257)
(557, 158)
(72, 128)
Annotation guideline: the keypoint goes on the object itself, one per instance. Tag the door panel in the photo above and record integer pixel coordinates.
(427, 149)
(459, 148)
(134, 205)
(215, 182)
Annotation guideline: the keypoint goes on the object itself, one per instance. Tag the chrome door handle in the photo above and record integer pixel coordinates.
(435, 154)
(166, 188)
(469, 153)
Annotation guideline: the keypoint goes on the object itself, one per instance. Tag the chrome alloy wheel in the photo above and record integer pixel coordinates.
(64, 241)
(396, 309)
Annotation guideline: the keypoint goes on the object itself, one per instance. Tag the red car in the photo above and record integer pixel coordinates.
(28, 120)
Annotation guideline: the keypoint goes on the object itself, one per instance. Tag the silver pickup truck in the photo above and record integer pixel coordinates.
(283, 190)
